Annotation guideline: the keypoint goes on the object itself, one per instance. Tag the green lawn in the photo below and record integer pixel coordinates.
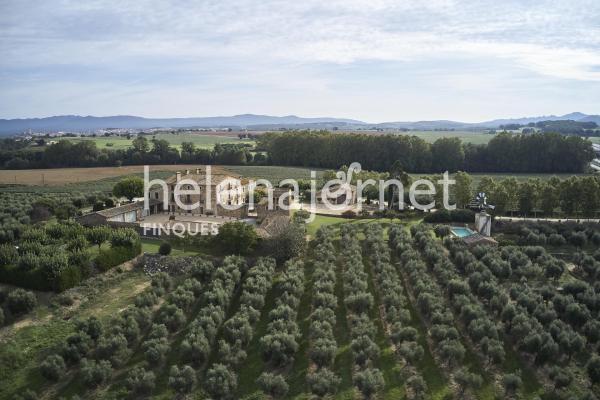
(151, 246)
(201, 141)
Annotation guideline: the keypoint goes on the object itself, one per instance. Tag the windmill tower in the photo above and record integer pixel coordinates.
(483, 220)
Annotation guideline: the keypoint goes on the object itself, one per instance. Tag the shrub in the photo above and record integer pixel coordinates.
(442, 231)
(273, 384)
(115, 255)
(348, 214)
(140, 381)
(164, 248)
(53, 367)
(65, 299)
(1, 316)
(182, 380)
(94, 373)
(220, 382)
(21, 301)
(446, 216)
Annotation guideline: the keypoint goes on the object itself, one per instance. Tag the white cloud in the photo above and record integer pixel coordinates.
(289, 46)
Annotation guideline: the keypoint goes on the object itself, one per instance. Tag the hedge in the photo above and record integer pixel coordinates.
(445, 216)
(109, 258)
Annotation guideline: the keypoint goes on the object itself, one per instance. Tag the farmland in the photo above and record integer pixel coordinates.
(371, 311)
(65, 176)
(59, 177)
(175, 140)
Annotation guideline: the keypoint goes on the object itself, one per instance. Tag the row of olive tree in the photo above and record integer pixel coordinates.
(280, 343)
(219, 285)
(221, 379)
(396, 315)
(431, 304)
(359, 302)
(321, 379)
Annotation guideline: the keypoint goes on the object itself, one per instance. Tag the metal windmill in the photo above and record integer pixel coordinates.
(481, 199)
(483, 220)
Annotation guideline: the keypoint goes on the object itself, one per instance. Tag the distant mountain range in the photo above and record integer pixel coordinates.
(76, 123)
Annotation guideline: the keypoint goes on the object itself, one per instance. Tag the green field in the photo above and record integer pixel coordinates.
(201, 141)
(465, 136)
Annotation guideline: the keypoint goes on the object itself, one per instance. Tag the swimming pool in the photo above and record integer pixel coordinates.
(461, 232)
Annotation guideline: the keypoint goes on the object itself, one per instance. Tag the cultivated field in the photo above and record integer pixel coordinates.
(63, 176)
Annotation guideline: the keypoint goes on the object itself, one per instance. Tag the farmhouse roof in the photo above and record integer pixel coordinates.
(272, 226)
(112, 212)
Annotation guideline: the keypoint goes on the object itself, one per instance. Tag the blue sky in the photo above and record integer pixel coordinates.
(372, 60)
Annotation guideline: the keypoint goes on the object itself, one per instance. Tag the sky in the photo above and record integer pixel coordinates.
(373, 60)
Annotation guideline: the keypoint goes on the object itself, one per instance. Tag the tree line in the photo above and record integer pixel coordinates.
(85, 153)
(538, 152)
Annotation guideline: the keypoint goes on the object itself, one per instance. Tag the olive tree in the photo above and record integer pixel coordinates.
(221, 382)
(53, 367)
(273, 384)
(182, 380)
(322, 382)
(21, 301)
(95, 373)
(369, 381)
(140, 382)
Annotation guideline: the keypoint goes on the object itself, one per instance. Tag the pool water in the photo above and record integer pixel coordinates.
(461, 232)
